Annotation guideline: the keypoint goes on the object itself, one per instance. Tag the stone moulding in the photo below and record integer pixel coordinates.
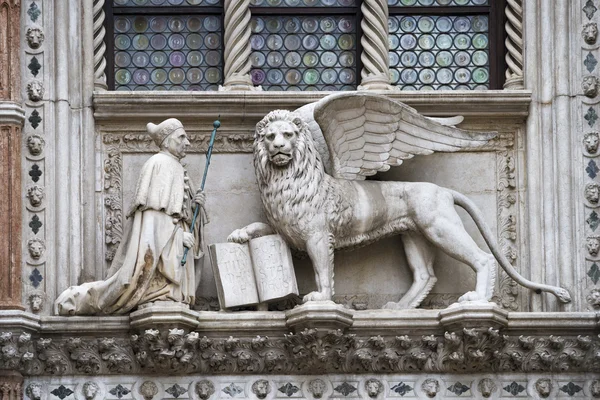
(378, 342)
(176, 351)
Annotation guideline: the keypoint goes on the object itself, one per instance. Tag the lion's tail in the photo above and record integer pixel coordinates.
(464, 202)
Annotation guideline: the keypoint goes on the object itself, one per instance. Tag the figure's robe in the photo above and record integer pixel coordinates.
(147, 265)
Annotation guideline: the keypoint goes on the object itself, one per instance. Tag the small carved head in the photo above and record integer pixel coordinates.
(374, 387)
(148, 390)
(35, 37)
(595, 389)
(35, 90)
(90, 390)
(590, 86)
(431, 387)
(590, 33)
(591, 141)
(34, 391)
(317, 388)
(543, 387)
(593, 245)
(594, 298)
(592, 192)
(36, 247)
(486, 386)
(36, 301)
(261, 388)
(35, 194)
(205, 389)
(35, 144)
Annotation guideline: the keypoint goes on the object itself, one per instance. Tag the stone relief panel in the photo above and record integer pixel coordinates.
(334, 386)
(123, 151)
(590, 191)
(35, 156)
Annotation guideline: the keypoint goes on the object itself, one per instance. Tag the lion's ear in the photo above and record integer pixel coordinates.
(298, 122)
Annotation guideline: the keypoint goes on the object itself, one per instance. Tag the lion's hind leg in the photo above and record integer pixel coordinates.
(420, 256)
(439, 222)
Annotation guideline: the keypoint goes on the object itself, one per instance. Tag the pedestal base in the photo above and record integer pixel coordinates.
(319, 314)
(473, 315)
(164, 313)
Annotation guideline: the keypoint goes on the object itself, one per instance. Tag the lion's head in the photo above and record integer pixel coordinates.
(288, 167)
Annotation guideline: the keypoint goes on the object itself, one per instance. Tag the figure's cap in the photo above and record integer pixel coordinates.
(161, 131)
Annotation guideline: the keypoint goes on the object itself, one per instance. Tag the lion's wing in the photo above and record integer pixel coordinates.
(367, 133)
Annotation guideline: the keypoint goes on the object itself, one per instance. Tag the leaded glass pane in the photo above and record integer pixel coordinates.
(303, 3)
(165, 3)
(167, 52)
(304, 53)
(437, 3)
(439, 52)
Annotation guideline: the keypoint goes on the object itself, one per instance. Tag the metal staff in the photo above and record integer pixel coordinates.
(216, 126)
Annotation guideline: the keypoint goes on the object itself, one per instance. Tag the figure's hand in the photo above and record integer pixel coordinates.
(188, 240)
(200, 198)
(239, 236)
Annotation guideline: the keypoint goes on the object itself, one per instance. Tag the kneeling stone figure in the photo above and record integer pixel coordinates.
(147, 265)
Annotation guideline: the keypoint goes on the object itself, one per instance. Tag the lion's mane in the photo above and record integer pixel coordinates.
(292, 192)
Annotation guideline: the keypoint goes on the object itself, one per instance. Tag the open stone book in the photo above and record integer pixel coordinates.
(255, 272)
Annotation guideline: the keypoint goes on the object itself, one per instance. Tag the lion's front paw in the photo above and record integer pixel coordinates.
(239, 236)
(316, 296)
(471, 296)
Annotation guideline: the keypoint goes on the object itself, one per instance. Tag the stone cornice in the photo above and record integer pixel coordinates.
(249, 107)
(11, 113)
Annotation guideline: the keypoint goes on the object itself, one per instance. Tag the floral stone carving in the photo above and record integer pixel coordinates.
(305, 156)
(307, 352)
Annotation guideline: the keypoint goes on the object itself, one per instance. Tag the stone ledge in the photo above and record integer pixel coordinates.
(195, 108)
(11, 113)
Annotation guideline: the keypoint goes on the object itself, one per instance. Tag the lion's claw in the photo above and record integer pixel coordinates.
(239, 236)
(316, 296)
(471, 296)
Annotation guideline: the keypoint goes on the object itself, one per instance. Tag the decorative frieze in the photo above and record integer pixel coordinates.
(176, 351)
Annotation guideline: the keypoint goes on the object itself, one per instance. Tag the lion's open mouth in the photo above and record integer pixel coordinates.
(281, 158)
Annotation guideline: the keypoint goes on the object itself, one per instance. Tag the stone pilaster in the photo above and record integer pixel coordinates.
(11, 121)
(237, 46)
(11, 386)
(375, 74)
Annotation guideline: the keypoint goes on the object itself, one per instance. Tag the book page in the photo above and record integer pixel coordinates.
(273, 268)
(234, 275)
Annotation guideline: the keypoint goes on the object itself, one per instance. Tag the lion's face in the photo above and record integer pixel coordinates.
(280, 141)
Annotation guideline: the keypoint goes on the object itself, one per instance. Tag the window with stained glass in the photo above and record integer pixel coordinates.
(165, 44)
(446, 44)
(305, 45)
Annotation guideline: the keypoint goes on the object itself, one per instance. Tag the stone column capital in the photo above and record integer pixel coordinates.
(11, 113)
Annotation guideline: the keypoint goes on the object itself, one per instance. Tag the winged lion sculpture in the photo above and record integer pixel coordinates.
(311, 166)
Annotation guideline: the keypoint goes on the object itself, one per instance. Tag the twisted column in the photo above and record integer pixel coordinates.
(99, 46)
(237, 46)
(514, 45)
(375, 74)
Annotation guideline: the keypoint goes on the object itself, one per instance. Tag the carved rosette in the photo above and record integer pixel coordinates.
(514, 45)
(375, 74)
(99, 46)
(237, 45)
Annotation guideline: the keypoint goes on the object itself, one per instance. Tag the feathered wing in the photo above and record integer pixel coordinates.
(366, 133)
